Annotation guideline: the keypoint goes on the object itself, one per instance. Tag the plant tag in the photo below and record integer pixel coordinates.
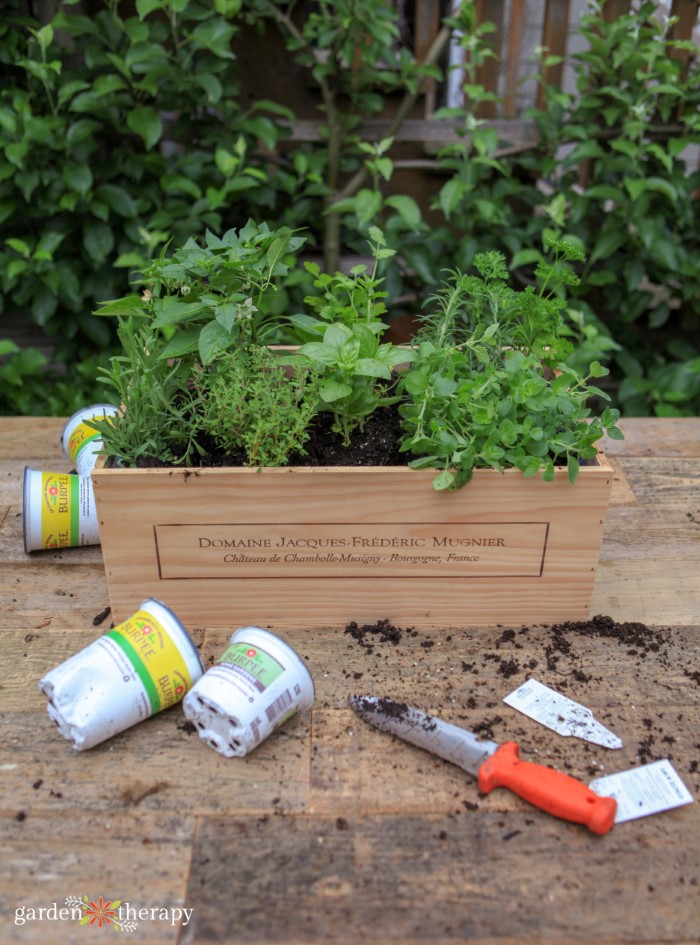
(640, 792)
(562, 715)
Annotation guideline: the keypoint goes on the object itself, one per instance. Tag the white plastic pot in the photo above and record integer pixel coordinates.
(81, 442)
(135, 670)
(59, 511)
(256, 685)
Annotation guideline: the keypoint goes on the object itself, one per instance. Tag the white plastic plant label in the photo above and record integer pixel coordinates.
(642, 791)
(564, 716)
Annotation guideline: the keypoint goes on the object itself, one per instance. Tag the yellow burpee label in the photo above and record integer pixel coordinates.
(80, 437)
(60, 510)
(156, 659)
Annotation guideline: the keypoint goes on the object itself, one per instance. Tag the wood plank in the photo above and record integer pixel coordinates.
(555, 32)
(656, 436)
(141, 858)
(515, 44)
(29, 439)
(613, 9)
(441, 878)
(490, 11)
(61, 590)
(159, 765)
(687, 13)
(514, 135)
(663, 523)
(654, 591)
(426, 27)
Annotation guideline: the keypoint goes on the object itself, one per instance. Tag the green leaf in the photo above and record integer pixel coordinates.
(19, 246)
(226, 315)
(525, 257)
(184, 342)
(450, 196)
(371, 367)
(664, 252)
(605, 192)
(78, 177)
(98, 240)
(276, 251)
(333, 390)
(48, 244)
(126, 307)
(625, 147)
(226, 162)
(144, 7)
(146, 123)
(44, 36)
(214, 339)
(608, 243)
(15, 268)
(106, 84)
(215, 35)
(661, 186)
(228, 8)
(318, 351)
(636, 187)
(129, 261)
(367, 204)
(407, 209)
(118, 199)
(177, 183)
(174, 312)
(416, 382)
(211, 85)
(444, 481)
(572, 468)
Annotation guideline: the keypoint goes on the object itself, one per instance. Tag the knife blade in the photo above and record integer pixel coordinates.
(493, 765)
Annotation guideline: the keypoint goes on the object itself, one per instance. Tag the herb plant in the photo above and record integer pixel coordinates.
(354, 365)
(250, 405)
(487, 387)
(159, 412)
(210, 297)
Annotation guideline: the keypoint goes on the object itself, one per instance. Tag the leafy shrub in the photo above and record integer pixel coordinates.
(116, 135)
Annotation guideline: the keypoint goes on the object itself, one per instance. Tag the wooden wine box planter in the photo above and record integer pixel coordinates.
(323, 546)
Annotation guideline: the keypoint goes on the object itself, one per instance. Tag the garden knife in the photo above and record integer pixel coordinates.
(493, 765)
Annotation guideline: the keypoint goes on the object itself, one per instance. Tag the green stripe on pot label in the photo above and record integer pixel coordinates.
(139, 667)
(74, 510)
(156, 658)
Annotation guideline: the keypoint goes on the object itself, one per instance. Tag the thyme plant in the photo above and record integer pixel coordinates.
(250, 405)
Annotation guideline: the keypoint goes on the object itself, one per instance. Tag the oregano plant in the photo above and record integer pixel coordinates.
(488, 387)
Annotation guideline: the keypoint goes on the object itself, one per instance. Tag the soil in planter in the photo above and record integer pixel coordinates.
(375, 445)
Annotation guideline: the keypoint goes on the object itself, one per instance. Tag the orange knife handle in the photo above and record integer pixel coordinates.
(551, 791)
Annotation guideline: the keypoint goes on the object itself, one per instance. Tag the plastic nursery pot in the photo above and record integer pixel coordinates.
(81, 443)
(136, 670)
(256, 685)
(59, 511)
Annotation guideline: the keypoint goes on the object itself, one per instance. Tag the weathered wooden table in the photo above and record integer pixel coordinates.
(331, 831)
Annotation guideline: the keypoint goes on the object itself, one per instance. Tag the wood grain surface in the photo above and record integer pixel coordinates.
(331, 831)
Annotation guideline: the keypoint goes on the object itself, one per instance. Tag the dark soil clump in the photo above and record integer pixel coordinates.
(383, 631)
